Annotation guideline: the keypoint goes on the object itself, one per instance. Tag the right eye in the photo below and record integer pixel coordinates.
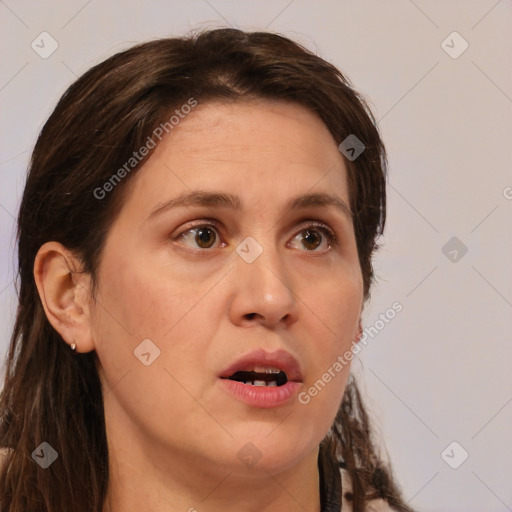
(203, 236)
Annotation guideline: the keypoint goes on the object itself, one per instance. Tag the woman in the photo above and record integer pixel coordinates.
(195, 243)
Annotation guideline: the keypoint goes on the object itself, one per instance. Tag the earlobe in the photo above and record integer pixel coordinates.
(64, 292)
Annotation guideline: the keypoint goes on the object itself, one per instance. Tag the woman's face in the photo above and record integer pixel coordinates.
(186, 277)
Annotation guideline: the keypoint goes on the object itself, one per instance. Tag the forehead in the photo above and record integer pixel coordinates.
(268, 148)
(237, 128)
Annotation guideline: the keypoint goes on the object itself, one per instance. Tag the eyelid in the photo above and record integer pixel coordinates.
(316, 223)
(199, 223)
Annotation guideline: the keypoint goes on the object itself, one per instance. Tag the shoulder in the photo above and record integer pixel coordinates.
(378, 505)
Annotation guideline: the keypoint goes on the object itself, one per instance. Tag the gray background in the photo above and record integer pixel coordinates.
(438, 372)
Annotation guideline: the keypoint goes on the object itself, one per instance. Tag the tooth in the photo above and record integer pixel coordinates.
(266, 369)
(272, 383)
(259, 383)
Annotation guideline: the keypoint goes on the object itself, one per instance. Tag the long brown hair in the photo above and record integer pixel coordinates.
(54, 395)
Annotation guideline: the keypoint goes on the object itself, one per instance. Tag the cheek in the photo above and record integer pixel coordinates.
(144, 300)
(334, 325)
(137, 302)
(338, 307)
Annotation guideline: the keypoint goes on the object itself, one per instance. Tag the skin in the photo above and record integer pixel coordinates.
(173, 433)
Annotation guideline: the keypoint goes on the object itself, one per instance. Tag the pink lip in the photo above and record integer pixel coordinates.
(263, 396)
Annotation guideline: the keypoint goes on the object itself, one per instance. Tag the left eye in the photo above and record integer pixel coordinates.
(312, 237)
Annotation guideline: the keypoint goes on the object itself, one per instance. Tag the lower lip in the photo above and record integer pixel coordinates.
(261, 396)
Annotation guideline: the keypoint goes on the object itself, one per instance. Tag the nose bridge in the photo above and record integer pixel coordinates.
(263, 285)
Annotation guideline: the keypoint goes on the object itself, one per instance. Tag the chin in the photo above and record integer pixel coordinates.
(272, 453)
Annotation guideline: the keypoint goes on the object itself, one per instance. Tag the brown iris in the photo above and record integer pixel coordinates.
(205, 237)
(312, 237)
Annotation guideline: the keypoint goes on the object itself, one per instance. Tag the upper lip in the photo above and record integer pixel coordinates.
(278, 359)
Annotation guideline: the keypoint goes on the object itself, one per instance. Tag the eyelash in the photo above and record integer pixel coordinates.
(318, 226)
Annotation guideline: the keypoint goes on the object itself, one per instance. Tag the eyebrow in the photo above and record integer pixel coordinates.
(223, 200)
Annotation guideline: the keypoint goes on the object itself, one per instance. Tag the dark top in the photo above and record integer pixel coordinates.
(330, 482)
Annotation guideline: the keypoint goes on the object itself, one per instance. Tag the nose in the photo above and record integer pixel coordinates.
(263, 291)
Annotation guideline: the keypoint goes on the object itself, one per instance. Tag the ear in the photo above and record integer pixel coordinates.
(359, 331)
(65, 293)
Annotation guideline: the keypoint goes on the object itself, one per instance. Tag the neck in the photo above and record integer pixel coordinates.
(184, 483)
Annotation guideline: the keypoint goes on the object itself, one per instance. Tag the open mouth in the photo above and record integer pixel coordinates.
(270, 377)
(263, 379)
